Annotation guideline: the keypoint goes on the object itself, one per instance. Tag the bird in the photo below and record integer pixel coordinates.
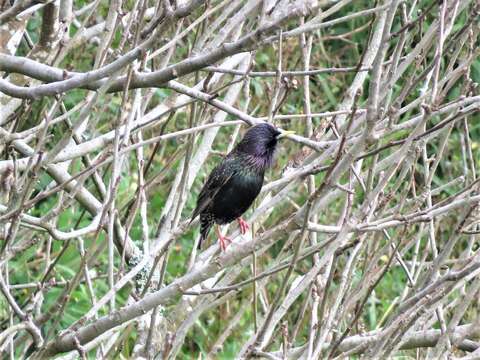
(236, 181)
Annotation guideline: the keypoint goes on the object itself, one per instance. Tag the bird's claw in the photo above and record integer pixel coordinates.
(243, 226)
(224, 241)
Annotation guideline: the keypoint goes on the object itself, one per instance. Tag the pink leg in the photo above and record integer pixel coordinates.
(224, 241)
(243, 225)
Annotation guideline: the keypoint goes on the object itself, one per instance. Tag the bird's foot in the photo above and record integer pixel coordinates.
(224, 241)
(243, 226)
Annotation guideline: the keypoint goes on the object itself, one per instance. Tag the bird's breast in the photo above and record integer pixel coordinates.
(236, 196)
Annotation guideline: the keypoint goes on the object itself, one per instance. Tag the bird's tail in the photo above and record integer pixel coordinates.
(206, 223)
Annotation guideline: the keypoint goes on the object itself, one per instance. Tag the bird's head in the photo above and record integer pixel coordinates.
(260, 141)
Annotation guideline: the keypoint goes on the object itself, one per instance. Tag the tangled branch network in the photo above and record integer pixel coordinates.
(364, 240)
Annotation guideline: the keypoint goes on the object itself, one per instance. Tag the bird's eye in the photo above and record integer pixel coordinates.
(272, 142)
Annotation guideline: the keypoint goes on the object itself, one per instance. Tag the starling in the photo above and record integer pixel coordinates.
(234, 184)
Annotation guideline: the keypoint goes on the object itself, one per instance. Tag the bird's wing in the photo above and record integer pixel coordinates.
(219, 176)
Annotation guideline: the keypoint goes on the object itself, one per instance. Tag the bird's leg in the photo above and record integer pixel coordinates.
(222, 239)
(243, 225)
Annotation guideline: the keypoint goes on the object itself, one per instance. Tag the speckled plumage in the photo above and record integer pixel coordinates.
(233, 185)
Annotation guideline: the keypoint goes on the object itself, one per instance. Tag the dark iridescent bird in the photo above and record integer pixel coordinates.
(233, 185)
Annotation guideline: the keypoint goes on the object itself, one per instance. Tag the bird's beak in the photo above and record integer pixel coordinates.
(284, 133)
